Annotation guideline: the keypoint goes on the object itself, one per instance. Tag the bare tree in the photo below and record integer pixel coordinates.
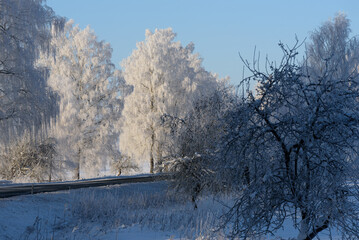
(293, 151)
(29, 159)
(196, 137)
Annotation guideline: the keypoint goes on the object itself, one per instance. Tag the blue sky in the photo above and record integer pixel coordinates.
(219, 29)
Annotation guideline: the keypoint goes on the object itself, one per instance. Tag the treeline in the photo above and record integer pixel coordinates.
(61, 90)
(286, 149)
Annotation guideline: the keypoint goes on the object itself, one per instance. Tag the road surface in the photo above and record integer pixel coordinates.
(24, 189)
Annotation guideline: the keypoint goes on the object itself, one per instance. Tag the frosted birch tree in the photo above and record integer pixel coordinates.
(166, 79)
(82, 74)
(25, 30)
(330, 47)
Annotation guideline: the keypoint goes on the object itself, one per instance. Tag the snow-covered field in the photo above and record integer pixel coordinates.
(130, 211)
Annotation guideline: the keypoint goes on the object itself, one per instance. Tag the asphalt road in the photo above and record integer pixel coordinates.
(24, 189)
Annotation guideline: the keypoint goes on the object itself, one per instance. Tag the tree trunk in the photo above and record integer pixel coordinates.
(152, 162)
(152, 107)
(50, 168)
(77, 172)
(159, 162)
(308, 233)
(77, 169)
(304, 228)
(50, 171)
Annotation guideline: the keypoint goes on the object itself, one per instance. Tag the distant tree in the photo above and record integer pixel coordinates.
(123, 164)
(82, 74)
(331, 48)
(167, 79)
(293, 151)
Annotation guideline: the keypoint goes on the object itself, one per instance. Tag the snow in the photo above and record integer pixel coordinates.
(128, 211)
(47, 215)
(51, 215)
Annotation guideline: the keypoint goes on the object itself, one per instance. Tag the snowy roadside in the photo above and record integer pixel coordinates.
(46, 216)
(83, 214)
(129, 211)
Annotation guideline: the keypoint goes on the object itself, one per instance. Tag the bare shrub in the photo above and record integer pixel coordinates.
(123, 164)
(28, 159)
